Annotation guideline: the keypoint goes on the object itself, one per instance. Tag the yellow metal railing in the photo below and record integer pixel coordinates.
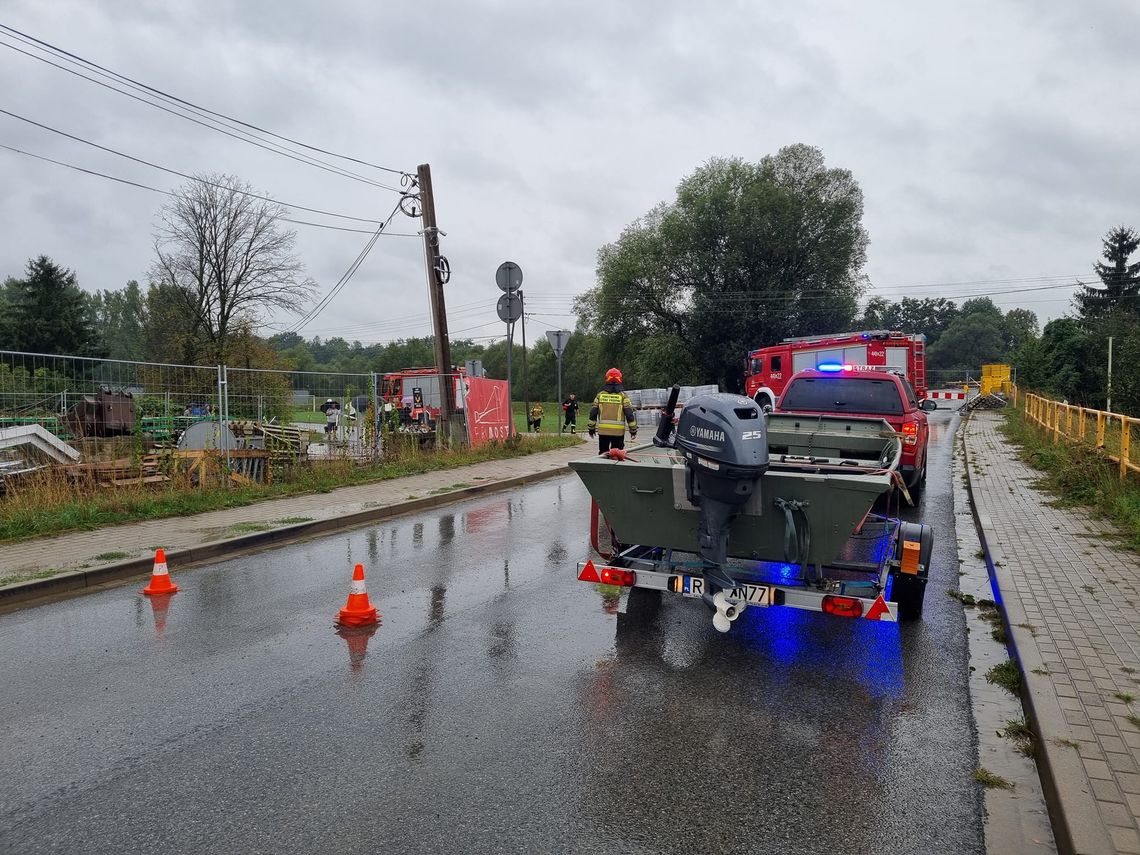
(1108, 433)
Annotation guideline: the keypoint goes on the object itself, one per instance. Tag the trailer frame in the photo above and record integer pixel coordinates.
(887, 586)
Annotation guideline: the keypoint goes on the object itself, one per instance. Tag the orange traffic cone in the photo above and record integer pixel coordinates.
(160, 577)
(357, 611)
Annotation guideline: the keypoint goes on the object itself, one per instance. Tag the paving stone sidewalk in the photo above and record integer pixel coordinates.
(76, 550)
(1072, 599)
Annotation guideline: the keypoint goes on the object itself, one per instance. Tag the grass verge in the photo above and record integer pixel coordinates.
(25, 577)
(112, 556)
(991, 781)
(1076, 475)
(1005, 675)
(50, 504)
(1019, 731)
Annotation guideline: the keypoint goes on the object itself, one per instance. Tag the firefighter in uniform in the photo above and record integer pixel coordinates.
(611, 413)
(571, 408)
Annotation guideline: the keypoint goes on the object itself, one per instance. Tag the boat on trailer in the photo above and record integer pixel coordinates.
(739, 507)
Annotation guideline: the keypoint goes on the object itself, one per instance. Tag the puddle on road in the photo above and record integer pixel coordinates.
(357, 640)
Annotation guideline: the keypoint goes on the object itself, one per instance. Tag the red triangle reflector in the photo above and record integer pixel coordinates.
(589, 572)
(878, 609)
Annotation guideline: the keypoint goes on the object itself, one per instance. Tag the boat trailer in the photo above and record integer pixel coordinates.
(880, 574)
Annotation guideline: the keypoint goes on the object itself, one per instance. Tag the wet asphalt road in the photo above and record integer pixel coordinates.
(501, 707)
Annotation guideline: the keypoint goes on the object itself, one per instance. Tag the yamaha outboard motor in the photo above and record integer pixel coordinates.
(724, 441)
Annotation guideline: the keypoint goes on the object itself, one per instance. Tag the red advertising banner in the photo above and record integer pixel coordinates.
(488, 410)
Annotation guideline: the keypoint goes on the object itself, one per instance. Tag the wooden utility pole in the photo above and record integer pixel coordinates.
(437, 271)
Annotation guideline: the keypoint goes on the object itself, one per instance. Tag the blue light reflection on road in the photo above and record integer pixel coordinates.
(868, 652)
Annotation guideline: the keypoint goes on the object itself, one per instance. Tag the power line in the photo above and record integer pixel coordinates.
(398, 321)
(344, 280)
(87, 171)
(735, 301)
(903, 288)
(182, 174)
(214, 125)
(980, 282)
(168, 193)
(167, 96)
(568, 296)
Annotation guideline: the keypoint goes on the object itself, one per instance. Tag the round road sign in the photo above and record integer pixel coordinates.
(508, 277)
(509, 307)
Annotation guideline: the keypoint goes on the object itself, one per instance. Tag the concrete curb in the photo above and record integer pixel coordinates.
(23, 594)
(1077, 826)
(1016, 819)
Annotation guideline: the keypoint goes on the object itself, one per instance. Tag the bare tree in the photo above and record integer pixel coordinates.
(224, 251)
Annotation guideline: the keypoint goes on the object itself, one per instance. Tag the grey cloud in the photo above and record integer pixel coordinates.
(983, 141)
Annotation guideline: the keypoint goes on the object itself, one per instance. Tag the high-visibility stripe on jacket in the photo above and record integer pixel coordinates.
(611, 413)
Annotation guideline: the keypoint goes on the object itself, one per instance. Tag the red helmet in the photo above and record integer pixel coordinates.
(613, 376)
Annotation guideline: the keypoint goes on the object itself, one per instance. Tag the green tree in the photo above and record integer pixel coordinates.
(171, 332)
(1126, 371)
(746, 254)
(882, 314)
(495, 364)
(7, 311)
(930, 316)
(1019, 326)
(1120, 279)
(1067, 366)
(120, 316)
(49, 312)
(971, 341)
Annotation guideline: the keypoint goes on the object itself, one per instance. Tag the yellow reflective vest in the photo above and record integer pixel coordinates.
(611, 413)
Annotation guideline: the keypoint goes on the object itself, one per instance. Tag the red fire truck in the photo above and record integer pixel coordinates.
(769, 368)
(398, 389)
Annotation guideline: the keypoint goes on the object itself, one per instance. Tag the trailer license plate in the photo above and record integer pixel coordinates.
(754, 595)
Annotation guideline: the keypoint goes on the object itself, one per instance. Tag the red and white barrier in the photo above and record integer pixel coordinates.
(946, 396)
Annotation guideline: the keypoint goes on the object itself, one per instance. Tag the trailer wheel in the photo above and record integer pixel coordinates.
(908, 592)
(642, 604)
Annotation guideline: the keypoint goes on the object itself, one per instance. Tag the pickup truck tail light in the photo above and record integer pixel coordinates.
(910, 433)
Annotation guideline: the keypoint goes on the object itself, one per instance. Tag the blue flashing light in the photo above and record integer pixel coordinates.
(830, 367)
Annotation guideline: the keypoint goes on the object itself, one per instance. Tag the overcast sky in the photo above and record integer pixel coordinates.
(992, 141)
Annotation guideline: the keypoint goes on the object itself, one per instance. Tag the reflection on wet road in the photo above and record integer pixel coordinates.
(501, 706)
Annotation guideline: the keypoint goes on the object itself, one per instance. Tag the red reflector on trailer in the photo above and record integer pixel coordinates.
(614, 576)
(878, 609)
(842, 606)
(589, 573)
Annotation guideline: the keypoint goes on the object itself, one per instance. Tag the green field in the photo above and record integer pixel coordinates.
(552, 416)
(308, 417)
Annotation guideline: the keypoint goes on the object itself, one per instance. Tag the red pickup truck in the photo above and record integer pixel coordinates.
(859, 390)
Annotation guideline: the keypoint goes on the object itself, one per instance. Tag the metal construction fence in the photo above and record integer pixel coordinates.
(42, 388)
(1110, 434)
